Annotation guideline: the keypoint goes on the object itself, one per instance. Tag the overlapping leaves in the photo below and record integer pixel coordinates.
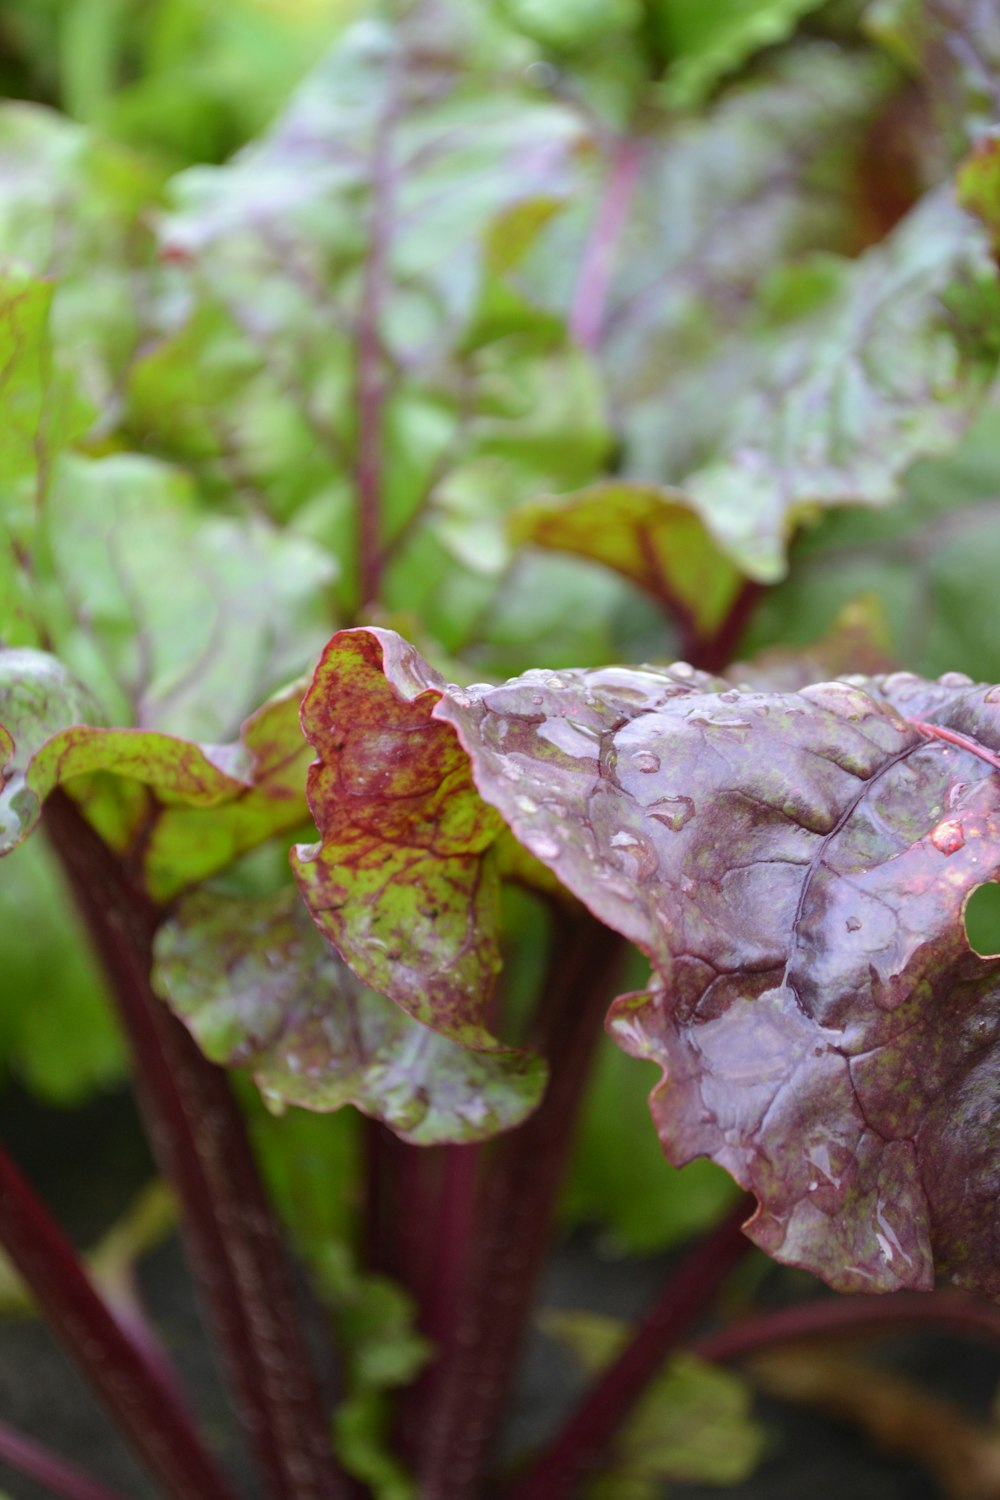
(795, 866)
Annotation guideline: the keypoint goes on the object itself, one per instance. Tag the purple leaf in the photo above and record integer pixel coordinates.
(796, 867)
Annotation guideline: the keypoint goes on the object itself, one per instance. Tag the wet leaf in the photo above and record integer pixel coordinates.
(405, 880)
(261, 989)
(795, 866)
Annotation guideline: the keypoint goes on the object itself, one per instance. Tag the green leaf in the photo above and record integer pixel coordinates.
(190, 843)
(652, 536)
(260, 989)
(891, 368)
(439, 153)
(705, 42)
(693, 1425)
(928, 562)
(404, 881)
(42, 410)
(72, 212)
(179, 620)
(70, 1046)
(48, 740)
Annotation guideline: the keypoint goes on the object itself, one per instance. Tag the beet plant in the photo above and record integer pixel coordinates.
(339, 473)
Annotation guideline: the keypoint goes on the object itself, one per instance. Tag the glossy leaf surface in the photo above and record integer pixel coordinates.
(261, 990)
(795, 866)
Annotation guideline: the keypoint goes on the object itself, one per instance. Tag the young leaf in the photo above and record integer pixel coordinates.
(260, 989)
(693, 1423)
(796, 867)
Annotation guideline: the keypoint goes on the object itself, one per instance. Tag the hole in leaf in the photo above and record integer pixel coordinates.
(982, 920)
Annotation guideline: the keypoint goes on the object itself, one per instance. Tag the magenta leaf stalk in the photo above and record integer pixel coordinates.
(200, 1141)
(467, 1391)
(147, 1411)
(593, 285)
(598, 1419)
(37, 1462)
(851, 1318)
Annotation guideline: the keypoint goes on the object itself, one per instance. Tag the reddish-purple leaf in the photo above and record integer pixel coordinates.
(796, 866)
(405, 880)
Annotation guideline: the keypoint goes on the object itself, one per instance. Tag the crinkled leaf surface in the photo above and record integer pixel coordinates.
(261, 989)
(795, 866)
(890, 367)
(404, 880)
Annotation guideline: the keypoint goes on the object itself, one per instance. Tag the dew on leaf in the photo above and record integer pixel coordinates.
(853, 924)
(646, 761)
(673, 812)
(542, 845)
(948, 836)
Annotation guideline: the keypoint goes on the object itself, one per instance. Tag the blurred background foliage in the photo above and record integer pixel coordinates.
(697, 266)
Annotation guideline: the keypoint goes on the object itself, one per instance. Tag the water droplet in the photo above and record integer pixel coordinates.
(730, 697)
(646, 761)
(537, 699)
(948, 836)
(460, 699)
(955, 793)
(955, 679)
(993, 696)
(813, 1185)
(853, 924)
(681, 669)
(673, 812)
(526, 804)
(541, 844)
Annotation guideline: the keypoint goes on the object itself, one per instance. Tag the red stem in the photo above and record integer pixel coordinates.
(468, 1388)
(560, 1473)
(715, 653)
(849, 1317)
(586, 318)
(938, 732)
(145, 1409)
(200, 1140)
(36, 1462)
(370, 376)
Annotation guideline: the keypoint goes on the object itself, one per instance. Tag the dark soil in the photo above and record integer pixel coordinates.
(88, 1164)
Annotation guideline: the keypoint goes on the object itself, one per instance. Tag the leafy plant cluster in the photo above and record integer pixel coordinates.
(337, 472)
